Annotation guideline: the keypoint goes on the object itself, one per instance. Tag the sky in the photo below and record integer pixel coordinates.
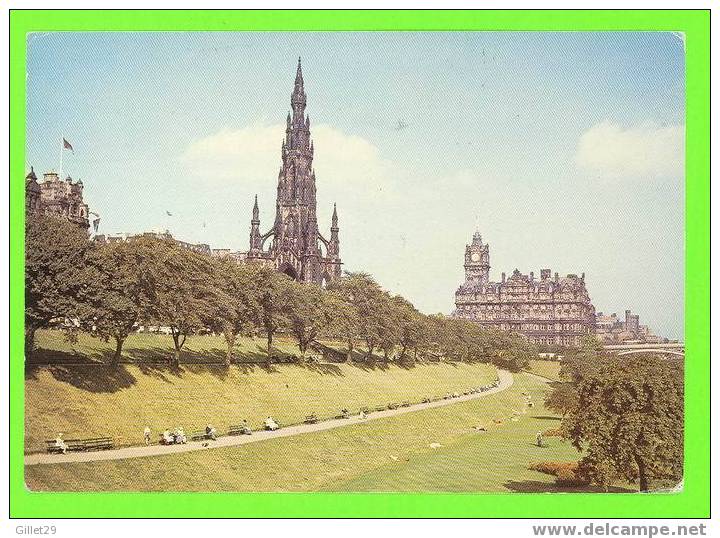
(565, 150)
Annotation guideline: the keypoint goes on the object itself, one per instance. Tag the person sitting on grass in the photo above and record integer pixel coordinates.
(59, 443)
(539, 439)
(167, 438)
(270, 424)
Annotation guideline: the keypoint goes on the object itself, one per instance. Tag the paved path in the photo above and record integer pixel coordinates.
(506, 380)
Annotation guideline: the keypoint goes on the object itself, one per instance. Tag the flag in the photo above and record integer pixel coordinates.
(67, 145)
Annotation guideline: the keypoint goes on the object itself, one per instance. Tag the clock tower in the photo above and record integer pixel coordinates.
(477, 261)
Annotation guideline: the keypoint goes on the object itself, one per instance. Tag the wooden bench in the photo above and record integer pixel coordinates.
(311, 419)
(344, 414)
(365, 410)
(392, 405)
(405, 404)
(81, 445)
(52, 448)
(239, 429)
(426, 400)
(380, 408)
(200, 435)
(98, 443)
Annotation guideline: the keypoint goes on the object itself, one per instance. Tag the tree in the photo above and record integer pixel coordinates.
(56, 273)
(351, 289)
(237, 306)
(628, 419)
(310, 311)
(274, 291)
(120, 289)
(512, 351)
(183, 291)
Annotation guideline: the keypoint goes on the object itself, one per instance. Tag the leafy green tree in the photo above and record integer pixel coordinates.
(355, 291)
(183, 291)
(120, 289)
(236, 308)
(512, 351)
(310, 311)
(274, 292)
(628, 420)
(56, 273)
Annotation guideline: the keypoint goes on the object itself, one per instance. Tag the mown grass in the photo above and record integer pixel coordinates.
(391, 454)
(547, 369)
(100, 400)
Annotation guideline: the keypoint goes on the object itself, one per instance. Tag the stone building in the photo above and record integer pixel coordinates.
(294, 245)
(200, 248)
(549, 310)
(611, 329)
(54, 196)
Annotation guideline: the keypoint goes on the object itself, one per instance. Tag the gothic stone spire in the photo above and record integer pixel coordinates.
(296, 246)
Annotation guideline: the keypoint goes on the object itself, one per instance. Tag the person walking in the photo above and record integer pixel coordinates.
(146, 433)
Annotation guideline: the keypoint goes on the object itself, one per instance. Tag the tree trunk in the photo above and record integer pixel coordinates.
(29, 341)
(269, 346)
(230, 340)
(642, 475)
(118, 350)
(178, 347)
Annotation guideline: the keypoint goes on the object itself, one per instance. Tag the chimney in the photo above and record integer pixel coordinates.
(503, 278)
(532, 275)
(557, 277)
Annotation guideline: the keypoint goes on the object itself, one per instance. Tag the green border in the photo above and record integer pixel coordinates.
(694, 501)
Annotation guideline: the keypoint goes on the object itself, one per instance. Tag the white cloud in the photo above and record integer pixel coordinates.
(643, 151)
(253, 152)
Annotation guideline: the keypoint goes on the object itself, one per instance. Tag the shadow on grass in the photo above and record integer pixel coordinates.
(96, 378)
(536, 486)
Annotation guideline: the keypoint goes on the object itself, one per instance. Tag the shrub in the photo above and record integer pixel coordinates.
(563, 471)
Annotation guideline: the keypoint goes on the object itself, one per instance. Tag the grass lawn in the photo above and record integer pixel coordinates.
(546, 369)
(98, 400)
(391, 454)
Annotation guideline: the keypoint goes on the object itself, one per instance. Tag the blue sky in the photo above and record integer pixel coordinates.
(565, 149)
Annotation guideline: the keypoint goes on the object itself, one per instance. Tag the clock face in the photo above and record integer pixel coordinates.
(475, 257)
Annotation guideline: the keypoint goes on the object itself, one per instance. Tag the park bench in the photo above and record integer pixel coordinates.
(81, 445)
(426, 400)
(239, 429)
(98, 443)
(380, 408)
(365, 410)
(200, 435)
(344, 414)
(311, 419)
(405, 404)
(392, 405)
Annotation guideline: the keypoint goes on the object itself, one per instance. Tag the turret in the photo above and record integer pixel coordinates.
(477, 261)
(255, 241)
